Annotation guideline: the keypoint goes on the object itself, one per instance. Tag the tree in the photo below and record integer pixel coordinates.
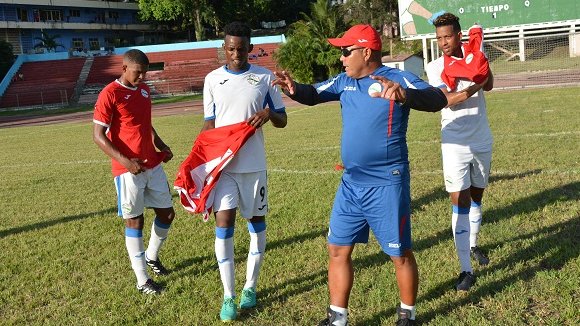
(372, 12)
(6, 58)
(307, 52)
(185, 12)
(49, 42)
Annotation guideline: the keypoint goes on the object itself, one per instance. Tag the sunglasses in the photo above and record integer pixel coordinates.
(346, 52)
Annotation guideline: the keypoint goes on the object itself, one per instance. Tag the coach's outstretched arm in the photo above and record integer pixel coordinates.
(302, 93)
(430, 99)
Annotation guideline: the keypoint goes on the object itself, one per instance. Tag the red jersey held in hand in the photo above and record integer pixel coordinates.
(198, 174)
(473, 66)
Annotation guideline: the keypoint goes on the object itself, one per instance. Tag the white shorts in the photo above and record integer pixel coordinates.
(146, 189)
(464, 168)
(248, 191)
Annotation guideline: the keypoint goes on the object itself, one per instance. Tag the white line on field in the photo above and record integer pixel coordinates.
(437, 172)
(291, 112)
(540, 134)
(330, 170)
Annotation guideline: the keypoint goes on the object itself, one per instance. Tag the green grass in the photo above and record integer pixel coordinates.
(63, 258)
(89, 107)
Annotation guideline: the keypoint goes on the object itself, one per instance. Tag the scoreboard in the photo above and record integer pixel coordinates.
(488, 13)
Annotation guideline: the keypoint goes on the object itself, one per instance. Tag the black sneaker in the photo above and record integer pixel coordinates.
(404, 316)
(465, 281)
(479, 255)
(331, 317)
(150, 287)
(156, 266)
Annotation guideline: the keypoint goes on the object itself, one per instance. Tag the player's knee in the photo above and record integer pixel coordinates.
(407, 259)
(339, 253)
(135, 222)
(166, 215)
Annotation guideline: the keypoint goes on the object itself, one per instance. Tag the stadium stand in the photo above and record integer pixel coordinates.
(172, 72)
(44, 82)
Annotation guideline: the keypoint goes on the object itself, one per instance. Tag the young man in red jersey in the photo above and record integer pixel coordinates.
(123, 130)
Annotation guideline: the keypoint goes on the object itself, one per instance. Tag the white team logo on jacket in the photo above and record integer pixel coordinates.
(144, 93)
(375, 88)
(469, 58)
(253, 79)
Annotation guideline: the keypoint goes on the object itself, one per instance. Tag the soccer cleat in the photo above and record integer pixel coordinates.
(156, 266)
(465, 281)
(404, 317)
(331, 317)
(479, 255)
(229, 310)
(248, 298)
(150, 287)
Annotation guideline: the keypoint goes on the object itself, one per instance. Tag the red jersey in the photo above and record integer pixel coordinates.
(126, 112)
(473, 66)
(212, 151)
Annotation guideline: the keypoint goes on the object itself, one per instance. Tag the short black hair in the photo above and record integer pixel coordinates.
(238, 29)
(448, 19)
(136, 56)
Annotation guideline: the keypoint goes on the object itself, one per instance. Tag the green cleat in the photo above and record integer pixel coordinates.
(248, 299)
(229, 310)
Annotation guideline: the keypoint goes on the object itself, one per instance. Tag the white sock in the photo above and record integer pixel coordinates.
(342, 315)
(224, 253)
(460, 226)
(475, 217)
(256, 253)
(410, 308)
(135, 248)
(158, 235)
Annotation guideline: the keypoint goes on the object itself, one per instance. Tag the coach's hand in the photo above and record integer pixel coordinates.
(285, 82)
(135, 165)
(260, 118)
(390, 90)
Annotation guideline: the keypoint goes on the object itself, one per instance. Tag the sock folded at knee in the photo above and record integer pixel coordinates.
(224, 253)
(136, 251)
(159, 232)
(257, 232)
(461, 232)
(475, 217)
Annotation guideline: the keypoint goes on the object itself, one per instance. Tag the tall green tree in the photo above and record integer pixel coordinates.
(6, 58)
(188, 13)
(307, 53)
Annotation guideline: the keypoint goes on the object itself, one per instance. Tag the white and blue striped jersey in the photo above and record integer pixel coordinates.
(232, 97)
(464, 125)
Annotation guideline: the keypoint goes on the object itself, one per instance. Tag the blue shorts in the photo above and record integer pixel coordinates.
(386, 210)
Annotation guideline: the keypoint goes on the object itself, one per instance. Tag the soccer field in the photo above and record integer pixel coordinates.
(63, 258)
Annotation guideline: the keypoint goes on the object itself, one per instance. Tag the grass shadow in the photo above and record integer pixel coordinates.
(556, 245)
(47, 224)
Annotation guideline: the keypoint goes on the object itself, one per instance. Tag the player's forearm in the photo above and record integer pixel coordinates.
(278, 119)
(305, 94)
(108, 148)
(489, 84)
(429, 99)
(158, 141)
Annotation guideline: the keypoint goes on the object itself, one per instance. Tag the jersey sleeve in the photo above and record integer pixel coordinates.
(103, 113)
(331, 89)
(273, 98)
(208, 100)
(412, 81)
(434, 75)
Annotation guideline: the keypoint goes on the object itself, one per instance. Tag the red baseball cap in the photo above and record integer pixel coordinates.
(362, 35)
